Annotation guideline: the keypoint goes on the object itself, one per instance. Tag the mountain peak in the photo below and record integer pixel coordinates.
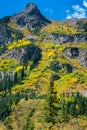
(31, 5)
(30, 17)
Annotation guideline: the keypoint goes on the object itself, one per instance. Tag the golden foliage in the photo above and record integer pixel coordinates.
(17, 44)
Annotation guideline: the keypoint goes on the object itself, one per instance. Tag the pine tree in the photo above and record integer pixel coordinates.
(22, 73)
(16, 78)
(51, 100)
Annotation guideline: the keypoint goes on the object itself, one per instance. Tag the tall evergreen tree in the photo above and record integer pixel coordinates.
(22, 73)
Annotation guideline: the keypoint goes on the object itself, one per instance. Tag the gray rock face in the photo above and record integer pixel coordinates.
(58, 38)
(4, 34)
(16, 53)
(30, 17)
(25, 54)
(80, 38)
(79, 54)
(82, 58)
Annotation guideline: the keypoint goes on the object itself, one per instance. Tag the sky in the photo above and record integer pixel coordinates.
(52, 9)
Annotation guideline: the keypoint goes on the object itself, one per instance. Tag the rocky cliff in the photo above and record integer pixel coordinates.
(30, 17)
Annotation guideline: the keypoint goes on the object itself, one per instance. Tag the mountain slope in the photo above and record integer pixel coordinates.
(43, 85)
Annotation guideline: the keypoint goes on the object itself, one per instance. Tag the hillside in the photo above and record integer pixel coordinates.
(43, 72)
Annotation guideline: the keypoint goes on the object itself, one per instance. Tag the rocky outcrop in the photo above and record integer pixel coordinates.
(16, 53)
(82, 58)
(80, 38)
(62, 38)
(30, 17)
(24, 54)
(79, 54)
(5, 34)
(80, 26)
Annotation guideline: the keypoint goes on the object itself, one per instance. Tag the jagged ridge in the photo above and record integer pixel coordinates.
(31, 17)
